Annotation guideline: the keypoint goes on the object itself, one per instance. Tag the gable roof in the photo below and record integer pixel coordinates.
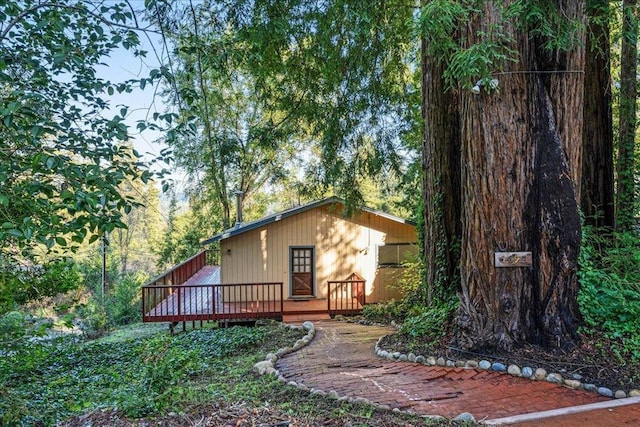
(234, 231)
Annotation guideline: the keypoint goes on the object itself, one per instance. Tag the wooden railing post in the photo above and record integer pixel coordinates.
(144, 306)
(179, 305)
(213, 300)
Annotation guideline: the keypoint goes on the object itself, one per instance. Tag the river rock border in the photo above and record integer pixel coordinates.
(267, 367)
(534, 374)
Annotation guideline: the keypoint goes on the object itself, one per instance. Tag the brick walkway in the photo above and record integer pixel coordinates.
(341, 357)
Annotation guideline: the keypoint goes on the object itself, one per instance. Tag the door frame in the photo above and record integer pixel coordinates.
(313, 271)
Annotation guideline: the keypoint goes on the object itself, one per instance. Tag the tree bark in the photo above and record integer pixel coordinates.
(441, 182)
(625, 202)
(597, 199)
(521, 157)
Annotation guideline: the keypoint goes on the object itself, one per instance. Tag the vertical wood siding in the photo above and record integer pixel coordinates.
(342, 246)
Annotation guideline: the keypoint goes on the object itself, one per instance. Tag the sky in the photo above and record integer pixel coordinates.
(122, 65)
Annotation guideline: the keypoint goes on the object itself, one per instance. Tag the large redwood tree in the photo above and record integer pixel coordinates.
(520, 165)
(597, 195)
(441, 180)
(626, 185)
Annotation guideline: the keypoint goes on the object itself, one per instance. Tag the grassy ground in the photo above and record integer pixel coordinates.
(142, 374)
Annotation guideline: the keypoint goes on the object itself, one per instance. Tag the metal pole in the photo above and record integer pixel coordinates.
(104, 264)
(238, 194)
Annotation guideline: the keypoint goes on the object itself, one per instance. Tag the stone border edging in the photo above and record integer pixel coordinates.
(539, 374)
(267, 367)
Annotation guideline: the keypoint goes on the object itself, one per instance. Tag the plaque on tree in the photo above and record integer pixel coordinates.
(512, 259)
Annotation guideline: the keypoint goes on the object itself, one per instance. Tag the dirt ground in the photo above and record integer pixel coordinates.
(242, 415)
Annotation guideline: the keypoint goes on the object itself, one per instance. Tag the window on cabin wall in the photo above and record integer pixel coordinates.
(395, 255)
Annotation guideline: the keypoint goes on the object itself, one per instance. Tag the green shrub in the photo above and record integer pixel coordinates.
(119, 306)
(12, 326)
(93, 317)
(387, 311)
(19, 285)
(429, 322)
(609, 297)
(17, 329)
(123, 300)
(408, 278)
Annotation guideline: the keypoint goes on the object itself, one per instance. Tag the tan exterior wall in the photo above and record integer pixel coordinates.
(341, 247)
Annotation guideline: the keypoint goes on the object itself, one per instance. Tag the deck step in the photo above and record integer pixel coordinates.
(295, 318)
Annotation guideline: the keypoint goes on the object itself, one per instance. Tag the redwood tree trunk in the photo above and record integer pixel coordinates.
(521, 157)
(597, 161)
(441, 182)
(625, 202)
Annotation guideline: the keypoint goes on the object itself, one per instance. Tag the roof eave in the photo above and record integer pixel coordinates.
(294, 211)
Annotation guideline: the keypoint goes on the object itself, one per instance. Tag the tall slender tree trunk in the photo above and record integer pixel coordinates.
(597, 162)
(216, 163)
(521, 157)
(441, 181)
(625, 202)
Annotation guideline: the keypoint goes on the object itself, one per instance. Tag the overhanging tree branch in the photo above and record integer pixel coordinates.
(99, 17)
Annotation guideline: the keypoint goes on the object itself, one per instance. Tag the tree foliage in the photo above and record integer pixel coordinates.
(333, 75)
(186, 229)
(62, 152)
(136, 245)
(236, 140)
(20, 284)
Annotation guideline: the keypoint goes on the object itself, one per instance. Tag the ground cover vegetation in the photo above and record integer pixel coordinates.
(142, 374)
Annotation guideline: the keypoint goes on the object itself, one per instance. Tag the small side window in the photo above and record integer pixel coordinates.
(396, 254)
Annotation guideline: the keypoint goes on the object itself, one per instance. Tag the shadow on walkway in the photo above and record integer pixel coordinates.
(341, 358)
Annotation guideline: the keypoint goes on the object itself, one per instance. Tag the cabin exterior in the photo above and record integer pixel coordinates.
(309, 246)
(310, 259)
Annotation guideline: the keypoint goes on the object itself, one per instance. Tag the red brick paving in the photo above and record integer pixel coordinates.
(341, 357)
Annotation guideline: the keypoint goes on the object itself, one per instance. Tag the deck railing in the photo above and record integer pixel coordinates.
(183, 271)
(237, 302)
(346, 296)
(164, 284)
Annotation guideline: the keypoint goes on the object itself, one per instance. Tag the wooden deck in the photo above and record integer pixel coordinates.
(203, 297)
